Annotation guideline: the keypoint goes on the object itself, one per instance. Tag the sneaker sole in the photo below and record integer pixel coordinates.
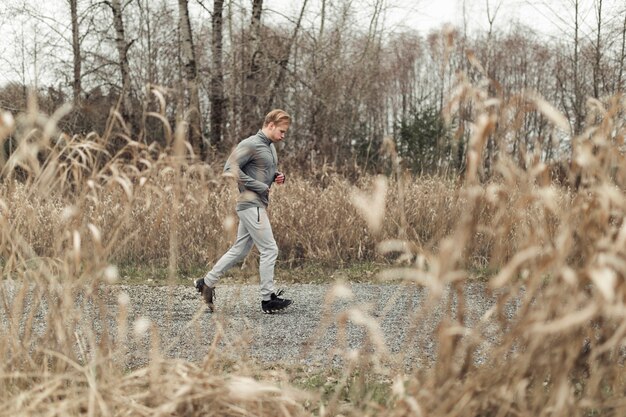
(272, 311)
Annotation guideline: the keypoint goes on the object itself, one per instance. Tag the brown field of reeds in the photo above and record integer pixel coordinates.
(70, 211)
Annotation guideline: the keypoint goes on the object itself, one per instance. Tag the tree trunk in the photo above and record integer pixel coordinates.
(76, 84)
(490, 69)
(322, 19)
(191, 78)
(217, 76)
(578, 96)
(251, 91)
(598, 51)
(122, 50)
(145, 16)
(622, 57)
(149, 65)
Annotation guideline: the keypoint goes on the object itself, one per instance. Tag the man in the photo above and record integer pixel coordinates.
(254, 164)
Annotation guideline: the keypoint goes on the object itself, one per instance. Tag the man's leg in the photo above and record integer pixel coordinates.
(235, 254)
(258, 226)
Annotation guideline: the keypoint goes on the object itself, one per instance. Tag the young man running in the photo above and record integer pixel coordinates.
(254, 164)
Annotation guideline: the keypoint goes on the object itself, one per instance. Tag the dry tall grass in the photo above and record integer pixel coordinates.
(207, 218)
(70, 211)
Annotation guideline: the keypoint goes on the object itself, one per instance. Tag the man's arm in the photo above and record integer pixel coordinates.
(239, 158)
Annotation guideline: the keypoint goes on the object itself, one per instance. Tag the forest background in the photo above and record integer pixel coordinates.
(348, 77)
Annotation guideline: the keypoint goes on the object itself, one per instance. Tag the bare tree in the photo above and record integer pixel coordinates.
(251, 85)
(569, 17)
(145, 15)
(492, 145)
(217, 75)
(492, 14)
(578, 94)
(33, 36)
(77, 58)
(284, 61)
(598, 50)
(622, 56)
(122, 46)
(322, 19)
(191, 78)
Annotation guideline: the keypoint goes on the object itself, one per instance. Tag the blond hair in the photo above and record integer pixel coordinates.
(277, 116)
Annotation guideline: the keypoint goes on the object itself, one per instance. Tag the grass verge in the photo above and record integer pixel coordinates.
(306, 273)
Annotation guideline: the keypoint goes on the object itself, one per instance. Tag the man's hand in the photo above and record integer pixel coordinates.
(279, 178)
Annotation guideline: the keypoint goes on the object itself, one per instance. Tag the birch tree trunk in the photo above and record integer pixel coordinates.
(217, 76)
(251, 90)
(191, 79)
(122, 49)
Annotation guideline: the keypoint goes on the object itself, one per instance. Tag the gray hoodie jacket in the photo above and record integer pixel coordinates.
(254, 164)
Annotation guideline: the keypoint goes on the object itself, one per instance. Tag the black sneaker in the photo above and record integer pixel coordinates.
(208, 293)
(275, 303)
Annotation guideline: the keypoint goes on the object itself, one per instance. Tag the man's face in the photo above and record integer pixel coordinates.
(277, 131)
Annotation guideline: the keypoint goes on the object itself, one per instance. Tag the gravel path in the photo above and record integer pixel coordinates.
(313, 331)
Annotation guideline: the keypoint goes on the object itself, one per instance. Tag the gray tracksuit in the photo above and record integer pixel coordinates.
(253, 163)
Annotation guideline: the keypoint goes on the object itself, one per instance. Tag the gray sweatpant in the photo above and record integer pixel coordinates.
(254, 228)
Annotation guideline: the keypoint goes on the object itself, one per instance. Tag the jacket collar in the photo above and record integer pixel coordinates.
(264, 138)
